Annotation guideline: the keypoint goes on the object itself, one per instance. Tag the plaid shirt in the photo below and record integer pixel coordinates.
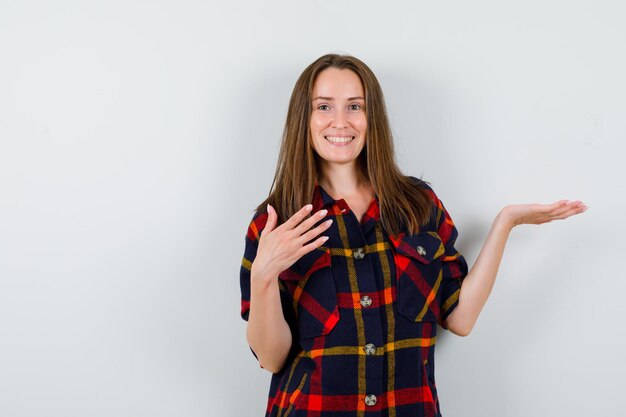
(363, 310)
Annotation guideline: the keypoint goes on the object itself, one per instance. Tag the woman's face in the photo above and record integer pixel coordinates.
(338, 119)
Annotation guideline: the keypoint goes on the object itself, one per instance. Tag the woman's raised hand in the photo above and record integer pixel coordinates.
(481, 277)
(279, 247)
(517, 214)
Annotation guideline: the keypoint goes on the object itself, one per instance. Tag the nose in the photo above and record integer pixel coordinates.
(340, 121)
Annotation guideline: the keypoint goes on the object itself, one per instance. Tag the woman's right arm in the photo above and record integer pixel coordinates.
(268, 333)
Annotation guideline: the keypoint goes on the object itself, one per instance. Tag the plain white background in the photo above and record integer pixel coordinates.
(138, 136)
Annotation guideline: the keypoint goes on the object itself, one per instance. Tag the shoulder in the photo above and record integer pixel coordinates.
(439, 213)
(425, 186)
(256, 225)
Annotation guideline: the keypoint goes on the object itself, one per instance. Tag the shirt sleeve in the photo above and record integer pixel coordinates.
(251, 244)
(249, 253)
(454, 265)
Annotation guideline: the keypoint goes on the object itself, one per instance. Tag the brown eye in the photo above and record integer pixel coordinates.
(355, 107)
(323, 107)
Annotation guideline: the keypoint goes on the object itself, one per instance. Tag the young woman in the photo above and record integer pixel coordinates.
(349, 265)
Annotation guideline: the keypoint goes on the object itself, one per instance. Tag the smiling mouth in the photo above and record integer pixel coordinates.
(339, 139)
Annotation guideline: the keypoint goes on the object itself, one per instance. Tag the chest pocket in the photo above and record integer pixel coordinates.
(312, 286)
(418, 275)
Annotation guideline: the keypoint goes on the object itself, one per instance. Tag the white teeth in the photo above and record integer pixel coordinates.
(335, 139)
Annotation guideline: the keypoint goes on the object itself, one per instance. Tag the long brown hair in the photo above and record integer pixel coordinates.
(401, 201)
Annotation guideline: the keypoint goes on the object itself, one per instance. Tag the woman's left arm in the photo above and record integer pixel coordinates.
(479, 281)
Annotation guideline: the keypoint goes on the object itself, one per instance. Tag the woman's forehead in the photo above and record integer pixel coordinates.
(334, 83)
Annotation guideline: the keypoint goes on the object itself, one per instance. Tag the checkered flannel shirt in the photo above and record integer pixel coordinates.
(363, 310)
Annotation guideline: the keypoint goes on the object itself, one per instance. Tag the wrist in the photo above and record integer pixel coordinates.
(262, 278)
(505, 220)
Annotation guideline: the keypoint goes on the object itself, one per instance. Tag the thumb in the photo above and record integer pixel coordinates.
(271, 219)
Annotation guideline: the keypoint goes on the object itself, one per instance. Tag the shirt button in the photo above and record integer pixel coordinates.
(369, 349)
(370, 399)
(366, 301)
(421, 250)
(358, 253)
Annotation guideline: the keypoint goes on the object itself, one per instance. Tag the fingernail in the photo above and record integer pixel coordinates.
(324, 238)
(323, 212)
(268, 209)
(308, 207)
(329, 222)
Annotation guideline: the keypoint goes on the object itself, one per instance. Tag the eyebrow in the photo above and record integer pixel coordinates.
(332, 98)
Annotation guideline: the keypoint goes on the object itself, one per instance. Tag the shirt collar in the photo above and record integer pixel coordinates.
(321, 199)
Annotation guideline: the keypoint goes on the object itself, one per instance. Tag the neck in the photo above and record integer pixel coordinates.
(342, 180)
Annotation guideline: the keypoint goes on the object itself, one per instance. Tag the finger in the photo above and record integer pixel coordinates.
(571, 212)
(559, 203)
(270, 223)
(294, 220)
(313, 233)
(313, 245)
(556, 206)
(558, 211)
(310, 222)
(571, 206)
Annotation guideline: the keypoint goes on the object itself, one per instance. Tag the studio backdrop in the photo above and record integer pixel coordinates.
(137, 137)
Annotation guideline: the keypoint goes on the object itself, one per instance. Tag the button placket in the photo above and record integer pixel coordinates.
(369, 349)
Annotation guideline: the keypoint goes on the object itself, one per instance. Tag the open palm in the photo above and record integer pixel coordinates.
(542, 213)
